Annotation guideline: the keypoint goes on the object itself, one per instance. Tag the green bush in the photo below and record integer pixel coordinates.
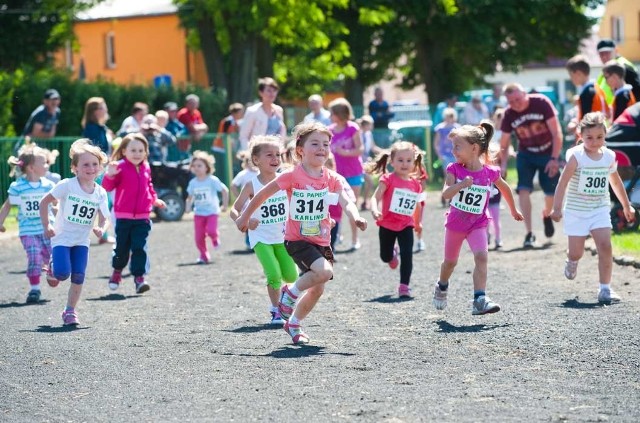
(21, 92)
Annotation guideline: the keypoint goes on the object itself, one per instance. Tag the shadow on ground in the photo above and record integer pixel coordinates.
(254, 328)
(577, 304)
(388, 299)
(56, 329)
(295, 351)
(446, 327)
(15, 304)
(113, 297)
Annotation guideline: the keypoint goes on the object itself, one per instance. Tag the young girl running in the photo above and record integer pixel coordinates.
(266, 225)
(590, 168)
(30, 169)
(204, 200)
(80, 199)
(467, 184)
(129, 175)
(307, 231)
(399, 194)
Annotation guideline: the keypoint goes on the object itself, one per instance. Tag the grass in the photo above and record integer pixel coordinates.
(11, 222)
(626, 244)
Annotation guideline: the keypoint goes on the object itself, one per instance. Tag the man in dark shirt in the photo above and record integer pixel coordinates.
(379, 111)
(44, 119)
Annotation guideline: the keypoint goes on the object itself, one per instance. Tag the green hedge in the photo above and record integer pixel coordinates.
(22, 90)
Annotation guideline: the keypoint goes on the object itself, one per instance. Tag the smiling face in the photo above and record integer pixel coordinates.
(269, 159)
(135, 152)
(593, 138)
(315, 149)
(403, 162)
(87, 168)
(464, 151)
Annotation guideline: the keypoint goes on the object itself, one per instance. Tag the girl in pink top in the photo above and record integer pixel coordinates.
(468, 184)
(347, 147)
(310, 187)
(399, 193)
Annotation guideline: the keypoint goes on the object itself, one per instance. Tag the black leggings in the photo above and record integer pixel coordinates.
(405, 242)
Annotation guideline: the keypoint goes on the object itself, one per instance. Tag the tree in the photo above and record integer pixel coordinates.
(32, 29)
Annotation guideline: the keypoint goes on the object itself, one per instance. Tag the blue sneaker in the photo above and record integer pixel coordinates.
(276, 318)
(33, 296)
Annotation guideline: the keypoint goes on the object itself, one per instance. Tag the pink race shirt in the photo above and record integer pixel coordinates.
(468, 210)
(399, 202)
(346, 166)
(309, 204)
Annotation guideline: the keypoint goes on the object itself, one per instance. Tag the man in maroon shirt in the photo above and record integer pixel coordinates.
(191, 117)
(534, 121)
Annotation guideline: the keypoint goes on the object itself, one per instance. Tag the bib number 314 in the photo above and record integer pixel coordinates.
(308, 205)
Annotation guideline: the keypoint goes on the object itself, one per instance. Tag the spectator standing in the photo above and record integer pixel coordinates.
(318, 112)
(133, 122)
(228, 128)
(450, 101)
(475, 111)
(381, 114)
(94, 125)
(591, 97)
(622, 93)
(607, 51)
(264, 117)
(43, 121)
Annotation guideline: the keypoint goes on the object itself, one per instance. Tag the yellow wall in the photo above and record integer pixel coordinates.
(629, 10)
(145, 47)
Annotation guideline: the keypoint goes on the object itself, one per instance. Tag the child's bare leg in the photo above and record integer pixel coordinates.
(602, 238)
(308, 302)
(320, 272)
(274, 295)
(354, 228)
(576, 247)
(74, 295)
(480, 271)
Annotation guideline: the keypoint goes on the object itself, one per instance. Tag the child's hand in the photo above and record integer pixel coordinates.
(242, 223)
(361, 223)
(333, 222)
(98, 231)
(467, 182)
(50, 232)
(556, 215)
(112, 169)
(376, 214)
(629, 214)
(159, 204)
(517, 215)
(253, 223)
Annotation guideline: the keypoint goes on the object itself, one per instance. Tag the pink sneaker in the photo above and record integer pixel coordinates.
(287, 303)
(70, 318)
(404, 291)
(395, 260)
(297, 334)
(51, 280)
(115, 279)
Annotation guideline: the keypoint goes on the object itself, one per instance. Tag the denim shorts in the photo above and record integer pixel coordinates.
(527, 165)
(355, 181)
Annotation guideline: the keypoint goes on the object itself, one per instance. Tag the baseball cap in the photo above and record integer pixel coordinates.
(170, 105)
(606, 45)
(51, 93)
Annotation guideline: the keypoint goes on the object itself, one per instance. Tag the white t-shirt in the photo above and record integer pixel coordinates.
(272, 215)
(77, 212)
(243, 177)
(588, 189)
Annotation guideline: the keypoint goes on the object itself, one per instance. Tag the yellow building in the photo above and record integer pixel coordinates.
(127, 41)
(621, 23)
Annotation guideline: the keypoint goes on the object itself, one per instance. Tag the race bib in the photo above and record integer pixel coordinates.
(471, 199)
(309, 207)
(274, 210)
(593, 182)
(79, 210)
(202, 197)
(404, 201)
(30, 204)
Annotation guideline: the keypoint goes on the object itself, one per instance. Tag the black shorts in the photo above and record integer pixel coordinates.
(305, 253)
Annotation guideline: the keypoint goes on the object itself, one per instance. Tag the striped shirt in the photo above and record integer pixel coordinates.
(27, 195)
(588, 189)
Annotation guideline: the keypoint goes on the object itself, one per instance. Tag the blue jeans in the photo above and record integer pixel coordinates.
(527, 165)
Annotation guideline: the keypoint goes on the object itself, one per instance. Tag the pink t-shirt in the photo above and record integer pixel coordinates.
(335, 210)
(398, 203)
(474, 198)
(346, 166)
(309, 206)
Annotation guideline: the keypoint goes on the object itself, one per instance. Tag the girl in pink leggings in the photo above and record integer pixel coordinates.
(468, 185)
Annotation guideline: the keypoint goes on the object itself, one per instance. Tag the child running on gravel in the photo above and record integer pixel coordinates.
(129, 175)
(467, 184)
(393, 205)
(30, 168)
(80, 200)
(307, 232)
(266, 225)
(203, 198)
(590, 168)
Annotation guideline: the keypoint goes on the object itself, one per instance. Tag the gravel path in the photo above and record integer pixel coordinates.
(197, 347)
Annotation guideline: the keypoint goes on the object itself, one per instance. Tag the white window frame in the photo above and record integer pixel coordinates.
(110, 54)
(68, 54)
(617, 29)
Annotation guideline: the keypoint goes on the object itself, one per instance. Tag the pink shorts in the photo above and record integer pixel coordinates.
(477, 240)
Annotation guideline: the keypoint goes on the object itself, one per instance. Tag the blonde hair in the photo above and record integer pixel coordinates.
(26, 156)
(302, 131)
(82, 146)
(90, 107)
(480, 134)
(259, 142)
(206, 158)
(379, 165)
(341, 108)
(118, 154)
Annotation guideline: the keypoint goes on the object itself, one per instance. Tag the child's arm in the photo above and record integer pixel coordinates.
(356, 151)
(4, 212)
(234, 190)
(561, 188)
(225, 198)
(376, 199)
(49, 232)
(260, 197)
(188, 207)
(451, 188)
(351, 210)
(241, 199)
(103, 224)
(618, 188)
(505, 190)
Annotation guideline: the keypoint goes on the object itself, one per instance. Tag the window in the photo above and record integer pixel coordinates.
(110, 50)
(68, 55)
(617, 29)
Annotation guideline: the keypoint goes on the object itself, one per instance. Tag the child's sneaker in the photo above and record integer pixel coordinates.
(570, 269)
(297, 334)
(51, 280)
(608, 296)
(276, 318)
(549, 230)
(287, 303)
(404, 291)
(141, 285)
(439, 298)
(498, 244)
(529, 241)
(202, 261)
(484, 305)
(395, 260)
(33, 296)
(70, 318)
(420, 246)
(115, 279)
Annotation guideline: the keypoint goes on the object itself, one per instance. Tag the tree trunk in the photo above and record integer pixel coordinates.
(243, 68)
(430, 60)
(354, 91)
(265, 58)
(212, 53)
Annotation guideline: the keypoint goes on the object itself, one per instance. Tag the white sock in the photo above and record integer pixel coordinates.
(273, 309)
(604, 286)
(35, 287)
(294, 289)
(294, 321)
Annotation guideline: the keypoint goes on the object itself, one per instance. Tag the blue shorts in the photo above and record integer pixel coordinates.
(527, 165)
(355, 181)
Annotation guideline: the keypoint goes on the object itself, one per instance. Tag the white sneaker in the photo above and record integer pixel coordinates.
(439, 298)
(484, 305)
(608, 296)
(420, 246)
(570, 269)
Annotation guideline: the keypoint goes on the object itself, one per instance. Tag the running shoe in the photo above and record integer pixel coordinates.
(570, 269)
(51, 280)
(296, 333)
(287, 303)
(549, 230)
(33, 296)
(484, 305)
(202, 261)
(498, 244)
(439, 298)
(608, 296)
(529, 240)
(404, 291)
(115, 279)
(276, 319)
(70, 318)
(356, 246)
(420, 246)
(141, 285)
(395, 260)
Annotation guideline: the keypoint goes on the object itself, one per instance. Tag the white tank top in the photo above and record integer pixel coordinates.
(272, 215)
(588, 189)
